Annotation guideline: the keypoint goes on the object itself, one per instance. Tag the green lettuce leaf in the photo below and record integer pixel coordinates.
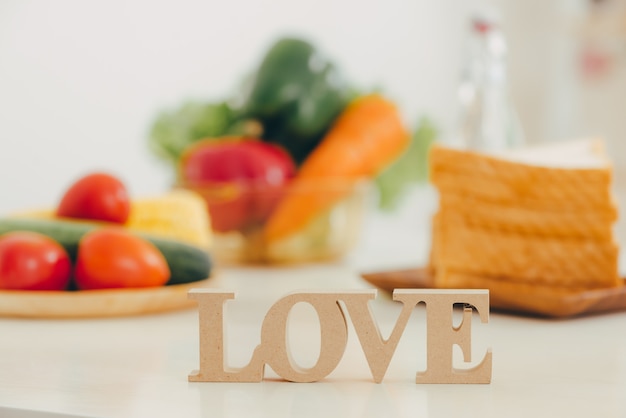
(410, 168)
(176, 129)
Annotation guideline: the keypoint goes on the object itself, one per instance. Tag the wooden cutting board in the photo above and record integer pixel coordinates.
(587, 302)
(96, 303)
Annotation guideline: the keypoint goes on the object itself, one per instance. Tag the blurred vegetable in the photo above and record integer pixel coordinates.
(96, 196)
(175, 130)
(241, 179)
(115, 258)
(296, 94)
(32, 261)
(178, 215)
(187, 263)
(410, 168)
(366, 137)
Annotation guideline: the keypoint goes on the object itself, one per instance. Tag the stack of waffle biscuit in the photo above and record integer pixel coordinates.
(532, 222)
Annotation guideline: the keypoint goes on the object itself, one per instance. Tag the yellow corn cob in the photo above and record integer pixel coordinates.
(180, 215)
(34, 214)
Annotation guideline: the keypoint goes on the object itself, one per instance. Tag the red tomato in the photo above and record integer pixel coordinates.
(97, 196)
(31, 261)
(242, 180)
(115, 258)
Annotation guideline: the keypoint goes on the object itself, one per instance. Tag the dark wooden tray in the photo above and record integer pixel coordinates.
(587, 302)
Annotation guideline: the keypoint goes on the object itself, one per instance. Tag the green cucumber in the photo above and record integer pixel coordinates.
(187, 263)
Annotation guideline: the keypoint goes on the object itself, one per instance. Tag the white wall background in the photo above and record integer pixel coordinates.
(80, 81)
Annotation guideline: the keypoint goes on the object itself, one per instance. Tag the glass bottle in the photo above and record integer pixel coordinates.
(487, 120)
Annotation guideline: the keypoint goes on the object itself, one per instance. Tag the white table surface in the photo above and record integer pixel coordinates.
(138, 366)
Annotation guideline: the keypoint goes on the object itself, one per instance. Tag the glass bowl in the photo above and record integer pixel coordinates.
(303, 221)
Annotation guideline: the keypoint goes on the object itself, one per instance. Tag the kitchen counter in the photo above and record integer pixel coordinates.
(138, 366)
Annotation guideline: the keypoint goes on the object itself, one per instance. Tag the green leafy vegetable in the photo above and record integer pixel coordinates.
(296, 94)
(410, 168)
(174, 130)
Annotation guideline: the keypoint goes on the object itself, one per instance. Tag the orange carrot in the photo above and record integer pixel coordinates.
(366, 137)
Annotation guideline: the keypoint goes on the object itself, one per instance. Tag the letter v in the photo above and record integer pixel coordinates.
(378, 352)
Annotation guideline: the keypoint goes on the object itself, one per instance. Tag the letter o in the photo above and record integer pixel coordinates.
(333, 330)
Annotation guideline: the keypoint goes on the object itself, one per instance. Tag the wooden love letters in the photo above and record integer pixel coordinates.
(273, 350)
